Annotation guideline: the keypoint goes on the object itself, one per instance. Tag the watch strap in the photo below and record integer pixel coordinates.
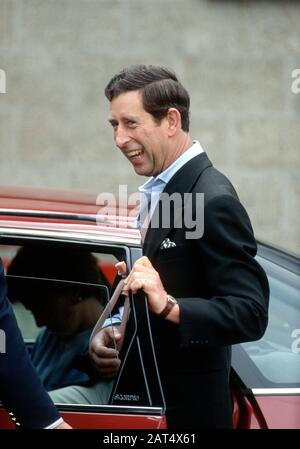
(171, 301)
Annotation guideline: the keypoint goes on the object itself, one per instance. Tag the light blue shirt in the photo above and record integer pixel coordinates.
(154, 186)
(53, 358)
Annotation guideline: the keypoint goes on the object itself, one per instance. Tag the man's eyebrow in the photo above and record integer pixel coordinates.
(130, 117)
(123, 119)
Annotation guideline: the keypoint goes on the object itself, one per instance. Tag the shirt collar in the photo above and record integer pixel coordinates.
(158, 182)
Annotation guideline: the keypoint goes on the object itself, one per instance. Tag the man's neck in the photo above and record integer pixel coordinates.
(182, 144)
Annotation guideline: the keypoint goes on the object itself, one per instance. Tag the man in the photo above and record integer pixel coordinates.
(21, 390)
(66, 311)
(219, 291)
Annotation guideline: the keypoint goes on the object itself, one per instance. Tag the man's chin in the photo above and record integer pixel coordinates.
(142, 171)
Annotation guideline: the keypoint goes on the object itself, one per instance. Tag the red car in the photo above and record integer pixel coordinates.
(265, 378)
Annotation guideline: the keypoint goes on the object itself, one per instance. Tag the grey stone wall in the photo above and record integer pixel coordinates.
(235, 58)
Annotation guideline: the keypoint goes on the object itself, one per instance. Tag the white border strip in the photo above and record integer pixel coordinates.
(275, 391)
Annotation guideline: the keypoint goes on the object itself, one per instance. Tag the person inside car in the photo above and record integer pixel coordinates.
(21, 391)
(62, 288)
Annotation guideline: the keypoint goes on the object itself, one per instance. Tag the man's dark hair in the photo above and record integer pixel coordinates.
(159, 87)
(54, 263)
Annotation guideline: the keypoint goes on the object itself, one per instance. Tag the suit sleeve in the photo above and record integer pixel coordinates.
(236, 307)
(21, 390)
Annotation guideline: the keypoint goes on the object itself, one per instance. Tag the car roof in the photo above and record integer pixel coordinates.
(82, 214)
(87, 215)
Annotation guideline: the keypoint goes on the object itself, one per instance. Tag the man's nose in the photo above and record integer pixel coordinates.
(121, 138)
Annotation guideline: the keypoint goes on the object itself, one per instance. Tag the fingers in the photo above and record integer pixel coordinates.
(103, 353)
(104, 341)
(142, 265)
(144, 262)
(105, 361)
(106, 367)
(139, 281)
(142, 276)
(121, 268)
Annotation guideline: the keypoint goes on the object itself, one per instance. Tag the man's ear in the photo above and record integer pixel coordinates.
(174, 121)
(75, 297)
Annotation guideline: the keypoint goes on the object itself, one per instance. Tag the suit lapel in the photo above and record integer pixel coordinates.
(182, 182)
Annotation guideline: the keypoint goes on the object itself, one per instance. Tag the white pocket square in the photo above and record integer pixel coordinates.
(165, 244)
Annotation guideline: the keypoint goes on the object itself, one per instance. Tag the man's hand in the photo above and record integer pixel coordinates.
(103, 352)
(144, 276)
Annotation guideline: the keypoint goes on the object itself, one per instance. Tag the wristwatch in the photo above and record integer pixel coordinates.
(168, 307)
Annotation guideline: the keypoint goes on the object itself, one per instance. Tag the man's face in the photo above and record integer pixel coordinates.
(139, 137)
(56, 312)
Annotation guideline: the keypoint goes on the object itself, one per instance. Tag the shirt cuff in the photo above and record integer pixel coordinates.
(55, 424)
(114, 320)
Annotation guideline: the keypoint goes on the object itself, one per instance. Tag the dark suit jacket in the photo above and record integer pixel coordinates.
(222, 293)
(21, 390)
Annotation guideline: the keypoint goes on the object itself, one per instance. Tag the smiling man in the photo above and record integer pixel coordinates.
(143, 140)
(204, 293)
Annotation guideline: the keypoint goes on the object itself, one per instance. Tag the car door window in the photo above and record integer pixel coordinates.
(62, 290)
(137, 381)
(275, 358)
